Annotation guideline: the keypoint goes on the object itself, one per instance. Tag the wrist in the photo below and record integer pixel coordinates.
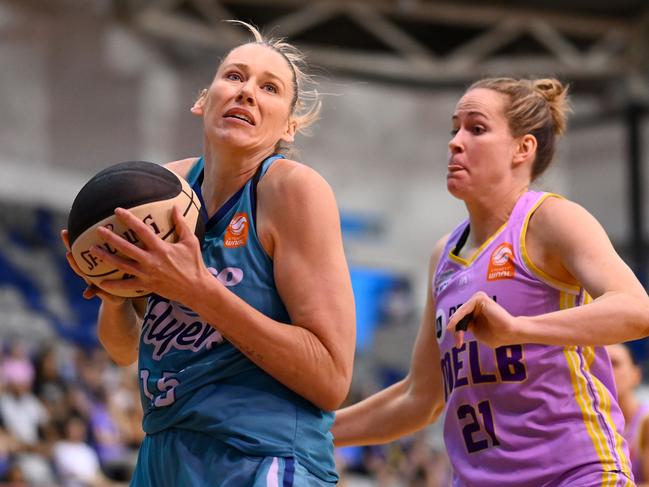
(523, 331)
(195, 290)
(112, 303)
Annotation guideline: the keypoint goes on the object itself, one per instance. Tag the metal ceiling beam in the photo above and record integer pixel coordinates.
(617, 46)
(383, 29)
(461, 14)
(303, 19)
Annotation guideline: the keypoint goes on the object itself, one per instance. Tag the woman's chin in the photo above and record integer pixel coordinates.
(455, 188)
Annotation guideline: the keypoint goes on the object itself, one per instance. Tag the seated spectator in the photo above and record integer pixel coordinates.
(117, 460)
(24, 417)
(76, 463)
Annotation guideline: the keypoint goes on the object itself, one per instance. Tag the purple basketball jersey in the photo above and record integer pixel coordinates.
(523, 415)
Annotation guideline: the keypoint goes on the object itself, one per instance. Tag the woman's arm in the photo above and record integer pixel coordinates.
(118, 323)
(408, 405)
(118, 328)
(314, 355)
(569, 242)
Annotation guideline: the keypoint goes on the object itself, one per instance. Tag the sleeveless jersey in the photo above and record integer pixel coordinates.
(633, 434)
(523, 415)
(194, 379)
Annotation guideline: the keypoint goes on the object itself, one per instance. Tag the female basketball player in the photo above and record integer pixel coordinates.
(247, 343)
(528, 387)
(628, 376)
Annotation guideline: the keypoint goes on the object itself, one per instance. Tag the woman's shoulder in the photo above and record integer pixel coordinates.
(556, 210)
(181, 166)
(559, 224)
(292, 177)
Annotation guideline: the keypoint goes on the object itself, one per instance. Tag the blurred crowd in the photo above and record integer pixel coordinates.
(413, 461)
(70, 417)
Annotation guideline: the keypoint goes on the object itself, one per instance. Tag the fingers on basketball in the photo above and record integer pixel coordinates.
(149, 192)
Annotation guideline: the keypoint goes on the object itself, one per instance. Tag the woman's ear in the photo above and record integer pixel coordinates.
(291, 129)
(199, 104)
(526, 149)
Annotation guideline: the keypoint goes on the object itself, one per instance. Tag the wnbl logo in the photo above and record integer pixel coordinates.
(169, 325)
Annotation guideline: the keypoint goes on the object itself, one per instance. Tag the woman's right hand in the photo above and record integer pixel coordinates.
(92, 290)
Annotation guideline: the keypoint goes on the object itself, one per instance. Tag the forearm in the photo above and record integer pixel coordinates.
(118, 329)
(384, 417)
(612, 318)
(290, 353)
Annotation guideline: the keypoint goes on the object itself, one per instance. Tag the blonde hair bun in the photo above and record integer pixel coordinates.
(555, 93)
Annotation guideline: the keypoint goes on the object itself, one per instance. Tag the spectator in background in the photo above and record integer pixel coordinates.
(117, 460)
(8, 448)
(50, 387)
(76, 463)
(25, 418)
(628, 376)
(34, 419)
(126, 409)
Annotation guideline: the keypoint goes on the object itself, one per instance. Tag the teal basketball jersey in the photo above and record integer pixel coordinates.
(192, 378)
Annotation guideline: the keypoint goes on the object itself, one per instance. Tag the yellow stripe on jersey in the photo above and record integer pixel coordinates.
(542, 276)
(605, 398)
(586, 404)
(591, 356)
(466, 262)
(580, 387)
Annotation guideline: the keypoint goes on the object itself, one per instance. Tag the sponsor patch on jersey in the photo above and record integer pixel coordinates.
(442, 280)
(236, 235)
(501, 263)
(463, 281)
(440, 325)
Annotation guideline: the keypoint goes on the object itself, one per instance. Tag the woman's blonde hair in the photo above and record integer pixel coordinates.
(536, 106)
(306, 103)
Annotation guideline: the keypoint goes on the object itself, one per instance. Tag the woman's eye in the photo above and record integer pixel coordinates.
(454, 132)
(234, 76)
(271, 88)
(477, 130)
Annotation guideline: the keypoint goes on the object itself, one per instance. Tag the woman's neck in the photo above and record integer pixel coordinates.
(489, 212)
(226, 171)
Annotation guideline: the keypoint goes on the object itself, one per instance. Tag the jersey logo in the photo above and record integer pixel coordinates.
(236, 235)
(442, 280)
(501, 263)
(440, 325)
(167, 327)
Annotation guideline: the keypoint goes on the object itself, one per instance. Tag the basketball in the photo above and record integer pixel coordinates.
(149, 191)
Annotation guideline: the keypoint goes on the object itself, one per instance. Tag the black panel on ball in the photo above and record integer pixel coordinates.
(126, 185)
(199, 231)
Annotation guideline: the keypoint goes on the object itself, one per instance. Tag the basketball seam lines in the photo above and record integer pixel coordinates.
(191, 202)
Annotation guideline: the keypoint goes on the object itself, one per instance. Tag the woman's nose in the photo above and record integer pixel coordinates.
(246, 93)
(455, 144)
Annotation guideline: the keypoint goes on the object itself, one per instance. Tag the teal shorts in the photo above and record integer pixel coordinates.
(175, 458)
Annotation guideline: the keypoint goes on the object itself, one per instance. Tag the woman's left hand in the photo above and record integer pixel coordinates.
(489, 322)
(167, 269)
